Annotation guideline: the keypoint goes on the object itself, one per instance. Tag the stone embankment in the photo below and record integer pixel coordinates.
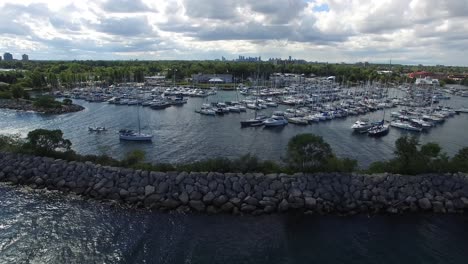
(25, 105)
(249, 193)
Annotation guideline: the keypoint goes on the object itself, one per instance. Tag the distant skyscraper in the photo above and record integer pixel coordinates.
(7, 56)
(25, 57)
(0, 58)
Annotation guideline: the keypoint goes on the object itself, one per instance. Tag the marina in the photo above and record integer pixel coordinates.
(230, 124)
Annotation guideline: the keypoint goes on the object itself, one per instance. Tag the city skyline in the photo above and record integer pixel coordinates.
(406, 32)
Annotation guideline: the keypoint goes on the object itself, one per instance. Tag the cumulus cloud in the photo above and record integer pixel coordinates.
(124, 6)
(412, 31)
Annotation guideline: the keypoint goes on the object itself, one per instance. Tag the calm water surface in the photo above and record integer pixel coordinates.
(180, 135)
(39, 227)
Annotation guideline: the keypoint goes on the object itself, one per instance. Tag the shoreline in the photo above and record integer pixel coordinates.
(27, 106)
(238, 193)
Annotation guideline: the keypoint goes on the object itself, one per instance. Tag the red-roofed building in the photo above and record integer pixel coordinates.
(420, 74)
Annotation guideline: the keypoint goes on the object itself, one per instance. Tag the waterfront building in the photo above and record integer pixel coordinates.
(7, 56)
(155, 80)
(427, 81)
(25, 57)
(205, 78)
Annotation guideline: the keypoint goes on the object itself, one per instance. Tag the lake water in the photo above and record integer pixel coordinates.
(181, 135)
(44, 227)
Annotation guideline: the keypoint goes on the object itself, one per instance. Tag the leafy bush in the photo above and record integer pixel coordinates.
(410, 158)
(5, 95)
(67, 101)
(308, 152)
(46, 101)
(43, 141)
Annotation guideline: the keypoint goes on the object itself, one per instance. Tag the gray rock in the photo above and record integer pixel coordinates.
(227, 207)
(310, 202)
(269, 193)
(198, 206)
(424, 204)
(208, 198)
(236, 201)
(251, 200)
(123, 193)
(276, 185)
(438, 207)
(247, 208)
(196, 195)
(163, 187)
(180, 177)
(283, 206)
(170, 203)
(295, 192)
(237, 187)
(184, 198)
(149, 190)
(220, 200)
(464, 201)
(213, 185)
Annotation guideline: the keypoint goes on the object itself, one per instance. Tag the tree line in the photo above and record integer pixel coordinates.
(69, 74)
(305, 153)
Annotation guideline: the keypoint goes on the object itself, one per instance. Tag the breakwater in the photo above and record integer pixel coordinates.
(237, 193)
(26, 105)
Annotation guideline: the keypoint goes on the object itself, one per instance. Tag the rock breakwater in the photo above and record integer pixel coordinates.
(25, 105)
(237, 193)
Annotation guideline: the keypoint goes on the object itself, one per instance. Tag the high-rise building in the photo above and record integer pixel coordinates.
(25, 57)
(7, 56)
(0, 58)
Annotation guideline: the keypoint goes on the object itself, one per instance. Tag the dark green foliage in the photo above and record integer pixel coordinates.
(46, 101)
(412, 159)
(5, 95)
(460, 161)
(67, 101)
(409, 157)
(43, 141)
(308, 152)
(17, 91)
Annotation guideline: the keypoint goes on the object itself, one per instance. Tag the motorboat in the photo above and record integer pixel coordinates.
(275, 121)
(256, 121)
(298, 120)
(97, 129)
(405, 125)
(361, 125)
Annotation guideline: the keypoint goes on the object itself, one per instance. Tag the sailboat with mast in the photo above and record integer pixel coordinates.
(258, 119)
(380, 128)
(131, 135)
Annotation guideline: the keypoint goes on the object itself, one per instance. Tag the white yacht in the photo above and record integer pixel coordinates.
(275, 121)
(405, 125)
(361, 126)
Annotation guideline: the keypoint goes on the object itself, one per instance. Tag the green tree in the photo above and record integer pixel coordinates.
(43, 141)
(67, 101)
(17, 91)
(308, 152)
(46, 102)
(460, 161)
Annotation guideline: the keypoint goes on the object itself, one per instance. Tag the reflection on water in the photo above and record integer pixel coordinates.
(39, 227)
(180, 135)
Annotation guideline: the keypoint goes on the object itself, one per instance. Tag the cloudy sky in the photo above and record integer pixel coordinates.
(405, 31)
